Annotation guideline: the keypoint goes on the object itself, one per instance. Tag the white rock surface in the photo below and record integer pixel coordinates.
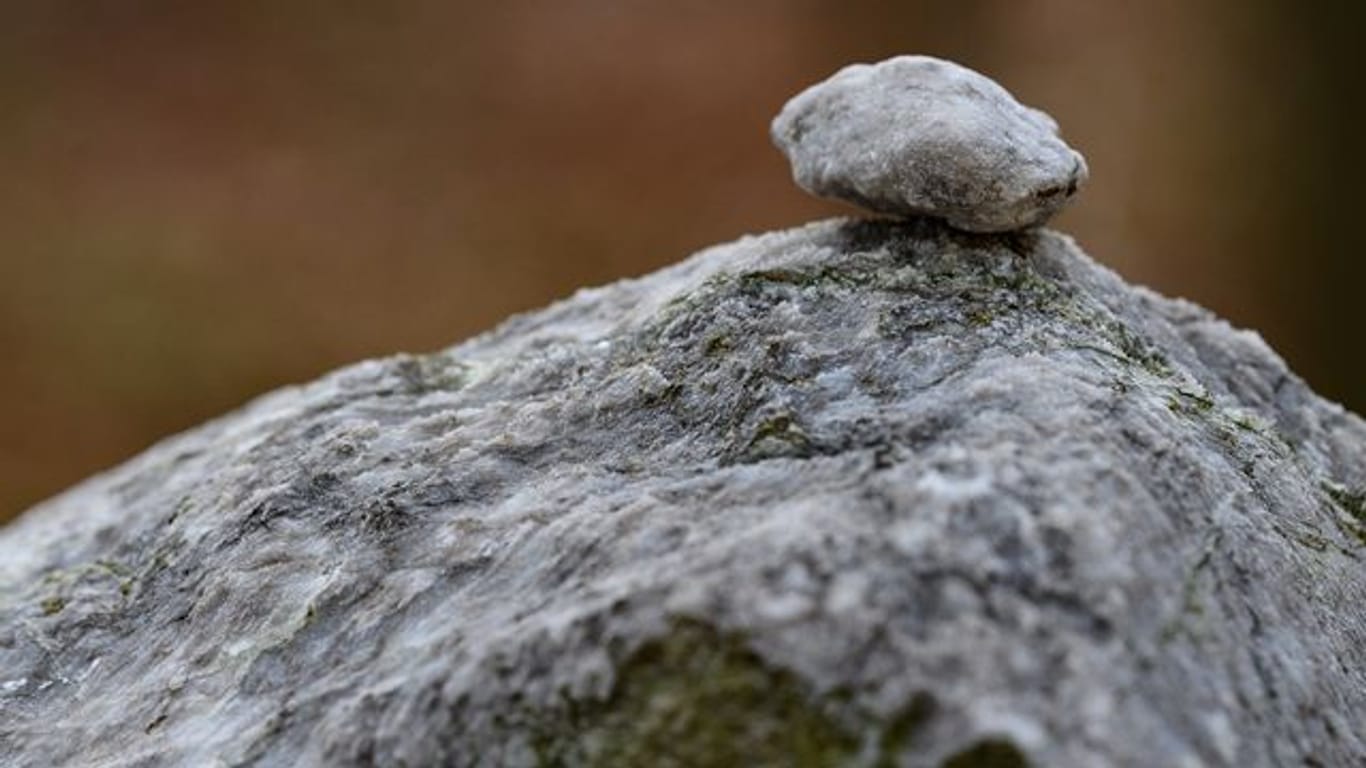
(855, 494)
(919, 136)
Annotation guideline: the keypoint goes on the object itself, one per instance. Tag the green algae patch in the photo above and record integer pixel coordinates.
(698, 697)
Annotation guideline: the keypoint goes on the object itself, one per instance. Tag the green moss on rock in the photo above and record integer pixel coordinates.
(988, 753)
(1353, 503)
(777, 436)
(903, 729)
(698, 697)
(432, 372)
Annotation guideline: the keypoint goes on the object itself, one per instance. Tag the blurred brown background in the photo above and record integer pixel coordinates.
(202, 201)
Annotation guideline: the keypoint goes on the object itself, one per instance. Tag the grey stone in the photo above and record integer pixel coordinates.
(919, 136)
(858, 494)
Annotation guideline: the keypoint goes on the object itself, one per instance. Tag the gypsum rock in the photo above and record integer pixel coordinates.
(855, 494)
(919, 136)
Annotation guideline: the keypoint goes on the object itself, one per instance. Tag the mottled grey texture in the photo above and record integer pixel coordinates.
(919, 136)
(853, 494)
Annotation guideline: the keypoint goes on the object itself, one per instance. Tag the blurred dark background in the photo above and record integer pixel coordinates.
(203, 201)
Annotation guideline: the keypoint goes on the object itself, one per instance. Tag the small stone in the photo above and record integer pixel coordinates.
(920, 136)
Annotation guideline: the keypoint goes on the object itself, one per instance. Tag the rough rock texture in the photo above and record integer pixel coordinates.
(862, 494)
(919, 136)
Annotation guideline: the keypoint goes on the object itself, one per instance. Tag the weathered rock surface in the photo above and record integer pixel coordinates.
(920, 136)
(853, 494)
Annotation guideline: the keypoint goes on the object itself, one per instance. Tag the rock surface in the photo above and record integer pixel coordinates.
(919, 136)
(858, 494)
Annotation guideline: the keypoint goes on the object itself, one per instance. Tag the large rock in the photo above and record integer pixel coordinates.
(854, 494)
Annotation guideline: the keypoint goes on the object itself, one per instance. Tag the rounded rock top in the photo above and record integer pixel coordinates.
(920, 136)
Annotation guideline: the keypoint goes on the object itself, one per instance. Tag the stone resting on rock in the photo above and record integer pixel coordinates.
(860, 493)
(918, 136)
